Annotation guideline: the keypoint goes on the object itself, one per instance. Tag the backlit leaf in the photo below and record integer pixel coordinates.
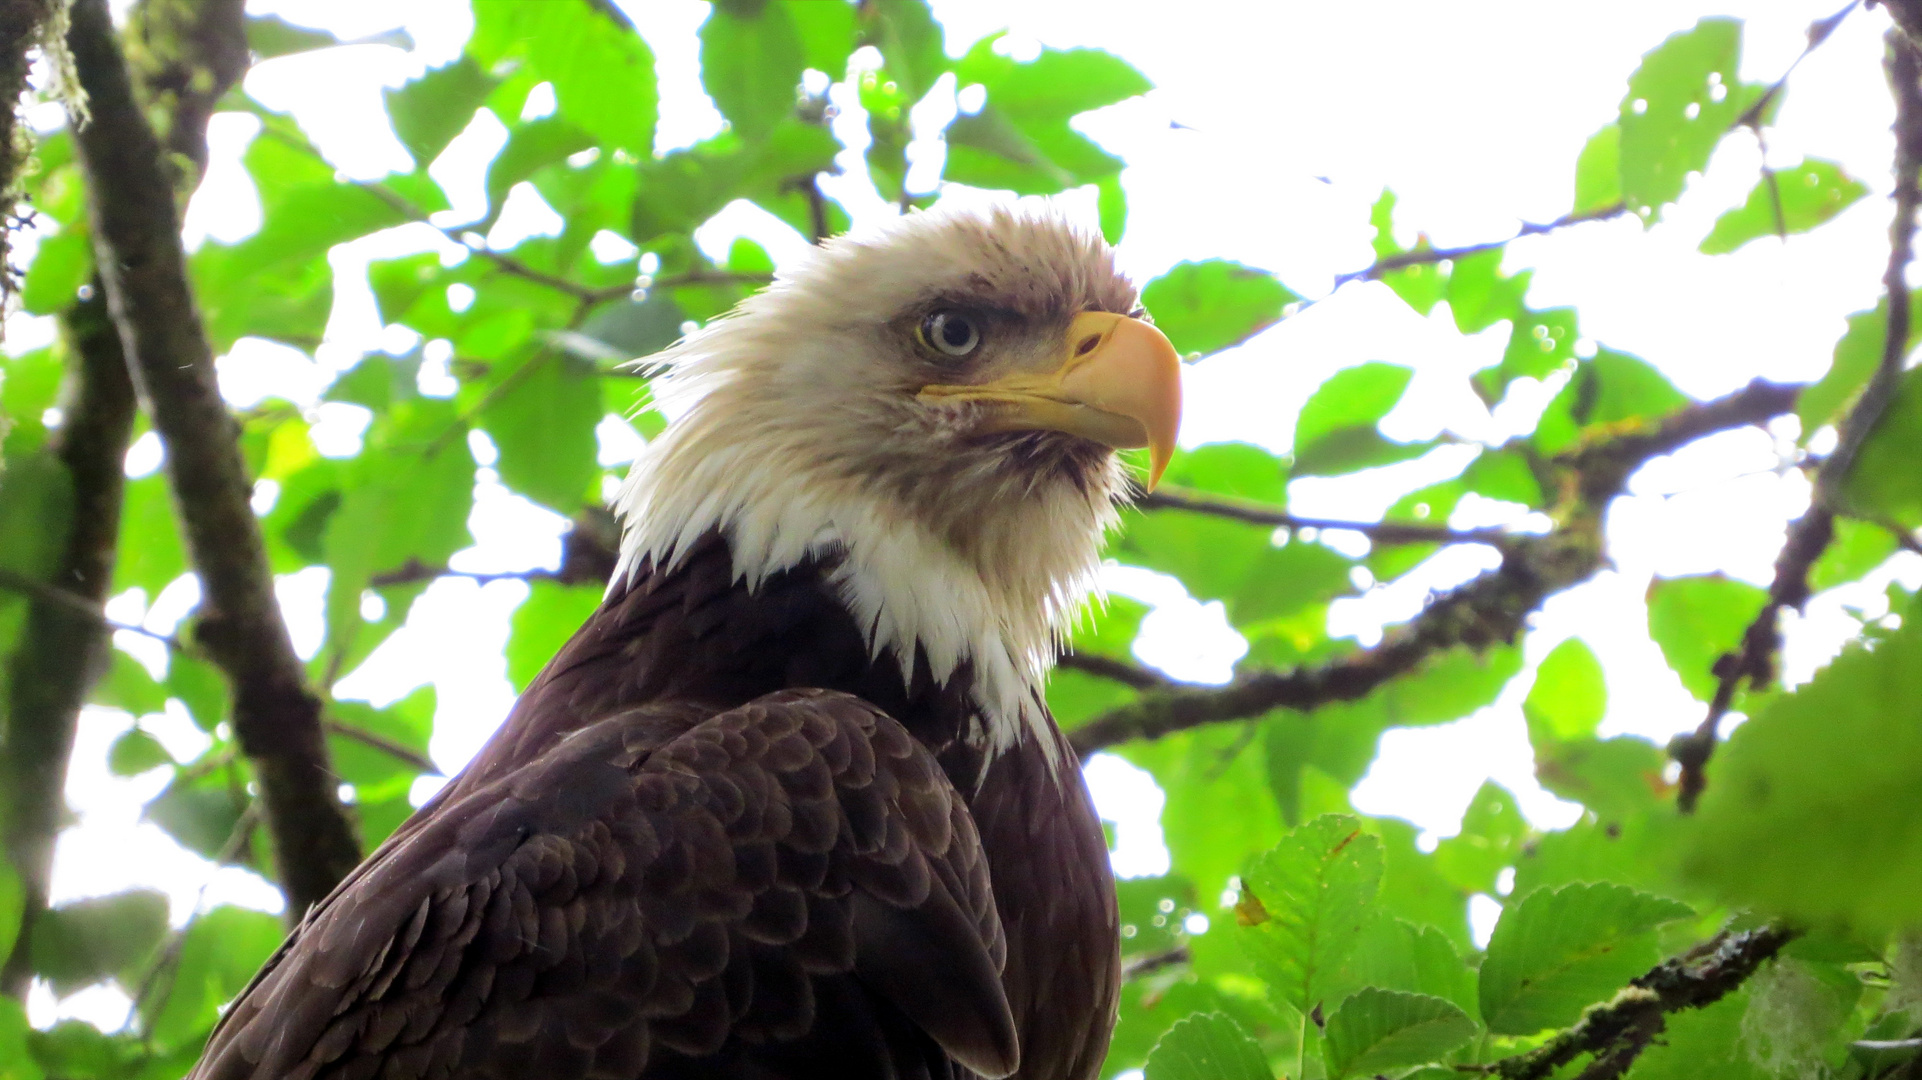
(1312, 894)
(1680, 102)
(1557, 951)
(1697, 619)
(84, 941)
(1789, 201)
(429, 111)
(542, 624)
(751, 61)
(1208, 1046)
(1823, 781)
(1378, 1030)
(1211, 305)
(1336, 430)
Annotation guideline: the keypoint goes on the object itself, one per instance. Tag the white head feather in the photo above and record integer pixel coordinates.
(802, 437)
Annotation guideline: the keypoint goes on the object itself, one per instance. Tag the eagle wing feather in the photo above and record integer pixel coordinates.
(668, 891)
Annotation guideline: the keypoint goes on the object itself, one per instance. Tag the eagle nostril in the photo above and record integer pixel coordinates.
(1087, 345)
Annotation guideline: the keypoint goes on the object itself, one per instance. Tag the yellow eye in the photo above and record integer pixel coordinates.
(950, 333)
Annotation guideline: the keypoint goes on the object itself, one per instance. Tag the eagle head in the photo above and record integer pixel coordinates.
(934, 405)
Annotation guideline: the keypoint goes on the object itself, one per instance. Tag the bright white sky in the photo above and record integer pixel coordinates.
(1293, 117)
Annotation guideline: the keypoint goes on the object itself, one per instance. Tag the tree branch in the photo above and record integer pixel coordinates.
(1618, 1031)
(137, 243)
(1120, 671)
(22, 26)
(1135, 967)
(63, 647)
(1753, 661)
(1174, 497)
(1488, 610)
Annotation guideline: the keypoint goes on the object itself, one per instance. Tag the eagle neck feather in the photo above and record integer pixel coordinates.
(904, 585)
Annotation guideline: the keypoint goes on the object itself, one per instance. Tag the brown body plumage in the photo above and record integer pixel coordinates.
(767, 814)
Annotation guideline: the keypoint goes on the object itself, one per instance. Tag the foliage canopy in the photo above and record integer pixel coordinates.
(1292, 936)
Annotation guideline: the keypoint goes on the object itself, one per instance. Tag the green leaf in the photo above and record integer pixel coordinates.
(150, 552)
(1421, 285)
(1379, 1030)
(135, 752)
(1395, 954)
(128, 686)
(1569, 697)
(1207, 306)
(1490, 840)
(909, 40)
(63, 264)
(82, 942)
(1560, 950)
(1152, 910)
(376, 774)
(602, 71)
(1679, 104)
(1479, 296)
(1336, 431)
(1823, 781)
(1614, 777)
(269, 36)
(1208, 1046)
(1703, 1044)
(751, 61)
(200, 809)
(429, 111)
(1211, 775)
(1806, 195)
(1857, 354)
(36, 496)
(1612, 394)
(530, 148)
(543, 424)
(1021, 139)
(1598, 171)
(406, 501)
(200, 687)
(827, 35)
(1857, 548)
(549, 616)
(16, 1063)
(1885, 480)
(1697, 619)
(1539, 344)
(1306, 903)
(13, 903)
(222, 950)
(1505, 475)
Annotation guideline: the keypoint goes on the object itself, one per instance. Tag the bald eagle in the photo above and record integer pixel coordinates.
(790, 804)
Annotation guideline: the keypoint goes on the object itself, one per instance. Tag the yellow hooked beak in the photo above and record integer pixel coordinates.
(1118, 384)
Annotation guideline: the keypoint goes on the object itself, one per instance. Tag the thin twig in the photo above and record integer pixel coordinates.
(1424, 256)
(1172, 497)
(167, 959)
(1753, 660)
(41, 592)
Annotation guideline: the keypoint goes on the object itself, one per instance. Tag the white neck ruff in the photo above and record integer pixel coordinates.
(904, 586)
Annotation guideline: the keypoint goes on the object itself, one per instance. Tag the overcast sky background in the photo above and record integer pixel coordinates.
(1292, 117)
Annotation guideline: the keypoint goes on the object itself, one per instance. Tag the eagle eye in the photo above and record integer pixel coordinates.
(950, 333)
